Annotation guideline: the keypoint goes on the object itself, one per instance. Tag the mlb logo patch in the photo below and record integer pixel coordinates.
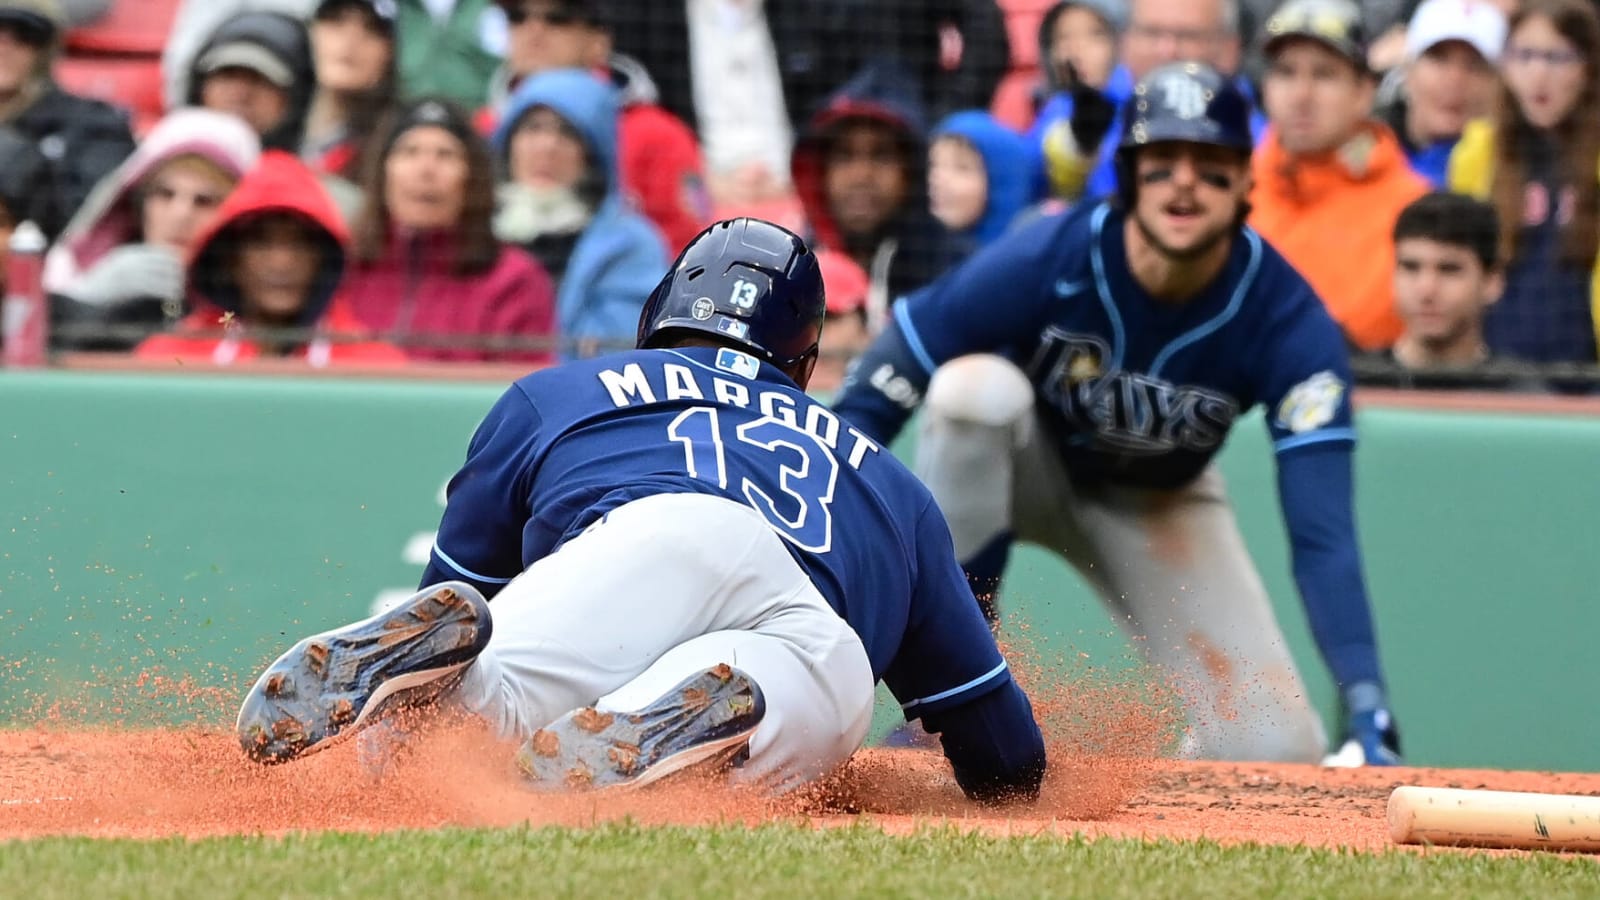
(733, 328)
(741, 364)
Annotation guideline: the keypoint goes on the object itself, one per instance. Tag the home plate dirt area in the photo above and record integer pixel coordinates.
(159, 783)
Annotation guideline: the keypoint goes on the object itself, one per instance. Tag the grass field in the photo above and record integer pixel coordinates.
(623, 860)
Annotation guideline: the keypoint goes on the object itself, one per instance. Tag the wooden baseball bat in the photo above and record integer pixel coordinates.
(1450, 817)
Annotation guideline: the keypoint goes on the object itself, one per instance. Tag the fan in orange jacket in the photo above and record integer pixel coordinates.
(274, 258)
(1329, 180)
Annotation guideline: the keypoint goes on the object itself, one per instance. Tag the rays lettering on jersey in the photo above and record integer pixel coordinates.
(1129, 411)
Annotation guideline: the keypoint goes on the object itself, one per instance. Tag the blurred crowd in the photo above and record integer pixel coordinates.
(378, 181)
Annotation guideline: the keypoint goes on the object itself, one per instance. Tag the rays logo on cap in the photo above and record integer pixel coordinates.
(740, 364)
(702, 309)
(1184, 97)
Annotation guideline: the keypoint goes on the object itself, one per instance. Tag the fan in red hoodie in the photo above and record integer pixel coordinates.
(273, 260)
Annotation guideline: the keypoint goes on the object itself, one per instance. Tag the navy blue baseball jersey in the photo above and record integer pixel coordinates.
(566, 445)
(1136, 391)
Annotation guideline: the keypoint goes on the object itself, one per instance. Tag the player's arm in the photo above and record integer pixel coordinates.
(1309, 417)
(950, 674)
(486, 506)
(992, 303)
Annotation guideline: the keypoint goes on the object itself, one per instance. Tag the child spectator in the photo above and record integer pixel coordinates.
(258, 67)
(660, 161)
(1330, 180)
(859, 172)
(564, 204)
(1536, 162)
(1447, 275)
(1447, 80)
(272, 261)
(1083, 86)
(977, 181)
(120, 261)
(82, 139)
(353, 47)
(429, 272)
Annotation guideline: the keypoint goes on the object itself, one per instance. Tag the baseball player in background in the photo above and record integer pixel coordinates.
(689, 559)
(1077, 378)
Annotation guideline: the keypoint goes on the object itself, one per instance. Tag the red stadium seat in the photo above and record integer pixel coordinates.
(133, 83)
(131, 26)
(1013, 99)
(1022, 26)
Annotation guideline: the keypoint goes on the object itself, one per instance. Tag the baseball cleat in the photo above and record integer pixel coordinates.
(708, 717)
(333, 684)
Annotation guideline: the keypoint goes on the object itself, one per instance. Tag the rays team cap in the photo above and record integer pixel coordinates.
(1479, 24)
(247, 55)
(1335, 24)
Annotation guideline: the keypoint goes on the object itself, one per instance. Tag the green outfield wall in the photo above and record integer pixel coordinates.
(183, 526)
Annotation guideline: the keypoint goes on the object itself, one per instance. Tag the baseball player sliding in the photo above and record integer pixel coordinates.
(689, 560)
(1078, 377)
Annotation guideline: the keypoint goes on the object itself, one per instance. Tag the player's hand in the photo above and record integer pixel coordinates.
(1092, 114)
(1370, 739)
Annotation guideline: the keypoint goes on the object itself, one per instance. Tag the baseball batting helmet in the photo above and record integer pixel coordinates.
(746, 282)
(1185, 101)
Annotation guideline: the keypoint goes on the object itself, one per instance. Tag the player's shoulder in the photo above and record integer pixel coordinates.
(1292, 324)
(1274, 276)
(1045, 244)
(556, 380)
(1278, 289)
(1052, 221)
(903, 499)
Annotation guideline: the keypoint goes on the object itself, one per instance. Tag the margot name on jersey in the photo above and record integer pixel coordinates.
(632, 385)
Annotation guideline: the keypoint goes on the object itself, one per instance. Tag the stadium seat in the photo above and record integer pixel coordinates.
(133, 83)
(130, 27)
(1013, 99)
(1022, 27)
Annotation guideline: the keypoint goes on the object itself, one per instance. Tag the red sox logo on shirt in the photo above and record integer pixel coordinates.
(1536, 205)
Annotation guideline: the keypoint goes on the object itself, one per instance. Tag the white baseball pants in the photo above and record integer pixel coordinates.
(659, 590)
(1170, 566)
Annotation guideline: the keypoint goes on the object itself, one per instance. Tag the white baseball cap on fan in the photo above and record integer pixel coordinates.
(1476, 23)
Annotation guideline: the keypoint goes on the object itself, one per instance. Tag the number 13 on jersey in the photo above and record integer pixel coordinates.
(806, 470)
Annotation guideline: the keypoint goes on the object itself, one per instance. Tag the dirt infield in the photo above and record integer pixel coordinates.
(158, 783)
